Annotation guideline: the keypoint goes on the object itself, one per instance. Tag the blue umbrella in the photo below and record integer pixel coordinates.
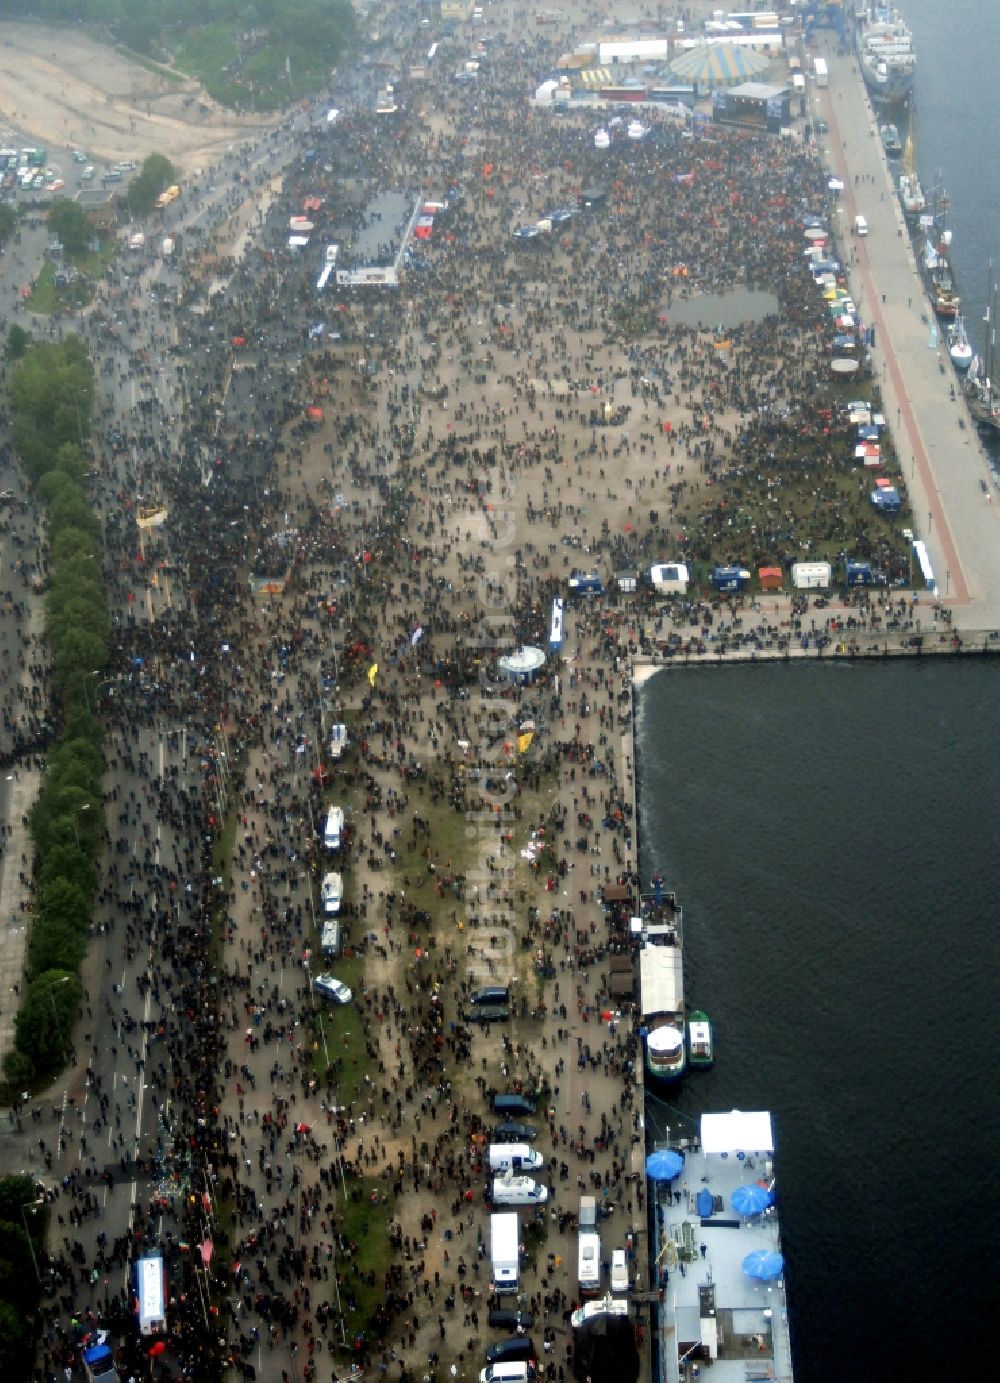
(664, 1165)
(763, 1264)
(705, 1202)
(750, 1199)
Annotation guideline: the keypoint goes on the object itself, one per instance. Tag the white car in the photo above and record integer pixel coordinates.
(619, 1271)
(332, 893)
(333, 989)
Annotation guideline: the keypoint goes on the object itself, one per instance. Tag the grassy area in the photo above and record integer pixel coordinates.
(205, 52)
(450, 851)
(159, 69)
(45, 297)
(338, 1033)
(365, 1225)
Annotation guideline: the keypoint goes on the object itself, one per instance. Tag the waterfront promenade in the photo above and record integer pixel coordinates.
(953, 513)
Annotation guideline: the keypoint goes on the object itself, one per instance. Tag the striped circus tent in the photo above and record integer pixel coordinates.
(719, 64)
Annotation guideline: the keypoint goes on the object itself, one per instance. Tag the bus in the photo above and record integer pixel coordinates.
(151, 1294)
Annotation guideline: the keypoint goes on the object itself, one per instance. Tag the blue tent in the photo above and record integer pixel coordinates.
(763, 1264)
(730, 578)
(886, 499)
(750, 1199)
(664, 1165)
(858, 573)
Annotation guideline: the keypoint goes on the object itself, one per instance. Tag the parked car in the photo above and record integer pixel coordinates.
(512, 1102)
(619, 1271)
(517, 1347)
(501, 1319)
(491, 994)
(332, 988)
(488, 1013)
(511, 1131)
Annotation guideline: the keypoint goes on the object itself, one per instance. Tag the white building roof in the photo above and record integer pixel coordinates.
(737, 1131)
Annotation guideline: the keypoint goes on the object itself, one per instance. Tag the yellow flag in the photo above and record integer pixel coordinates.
(524, 742)
(372, 674)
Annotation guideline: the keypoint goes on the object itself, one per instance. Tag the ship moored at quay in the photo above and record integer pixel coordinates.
(717, 1250)
(886, 54)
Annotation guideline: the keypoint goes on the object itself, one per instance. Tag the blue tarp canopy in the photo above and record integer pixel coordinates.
(763, 1264)
(664, 1165)
(751, 1199)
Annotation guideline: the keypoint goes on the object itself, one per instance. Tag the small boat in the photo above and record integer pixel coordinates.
(665, 1058)
(959, 346)
(891, 142)
(911, 195)
(701, 1041)
(937, 271)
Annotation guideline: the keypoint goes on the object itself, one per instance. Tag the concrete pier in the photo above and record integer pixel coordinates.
(943, 458)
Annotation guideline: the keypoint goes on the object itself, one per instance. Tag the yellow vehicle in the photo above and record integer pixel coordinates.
(169, 195)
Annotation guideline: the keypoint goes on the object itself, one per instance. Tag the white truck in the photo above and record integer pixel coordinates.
(822, 72)
(504, 1252)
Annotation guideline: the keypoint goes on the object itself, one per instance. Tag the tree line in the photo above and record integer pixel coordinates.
(51, 394)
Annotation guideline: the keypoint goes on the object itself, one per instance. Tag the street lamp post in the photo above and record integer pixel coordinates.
(55, 1013)
(76, 834)
(31, 1205)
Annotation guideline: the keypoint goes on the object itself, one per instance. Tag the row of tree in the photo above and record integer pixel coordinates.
(51, 396)
(23, 1222)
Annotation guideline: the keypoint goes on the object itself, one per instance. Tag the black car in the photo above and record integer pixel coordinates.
(507, 1351)
(512, 1102)
(488, 1013)
(492, 994)
(510, 1131)
(511, 1320)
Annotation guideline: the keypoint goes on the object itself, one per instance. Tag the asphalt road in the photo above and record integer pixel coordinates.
(102, 1133)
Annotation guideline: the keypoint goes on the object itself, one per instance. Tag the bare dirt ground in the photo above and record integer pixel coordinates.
(59, 87)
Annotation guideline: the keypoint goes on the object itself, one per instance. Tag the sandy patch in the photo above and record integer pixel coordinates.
(62, 89)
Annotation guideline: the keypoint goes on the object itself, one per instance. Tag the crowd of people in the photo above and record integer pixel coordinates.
(370, 495)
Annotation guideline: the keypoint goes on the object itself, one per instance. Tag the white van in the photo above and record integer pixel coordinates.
(589, 1262)
(515, 1157)
(333, 831)
(619, 1271)
(860, 226)
(332, 893)
(508, 1371)
(511, 1190)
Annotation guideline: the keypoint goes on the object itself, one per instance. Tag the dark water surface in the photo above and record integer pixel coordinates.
(728, 310)
(833, 833)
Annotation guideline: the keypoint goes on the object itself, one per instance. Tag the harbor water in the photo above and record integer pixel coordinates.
(957, 100)
(832, 834)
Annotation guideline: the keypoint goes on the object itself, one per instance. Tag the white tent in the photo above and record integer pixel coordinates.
(737, 1131)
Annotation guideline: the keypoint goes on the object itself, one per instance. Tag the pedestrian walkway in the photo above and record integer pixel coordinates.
(23, 785)
(938, 445)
